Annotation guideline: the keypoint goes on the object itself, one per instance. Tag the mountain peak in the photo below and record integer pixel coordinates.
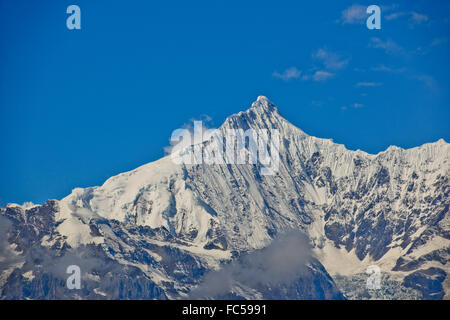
(263, 103)
(262, 114)
(262, 99)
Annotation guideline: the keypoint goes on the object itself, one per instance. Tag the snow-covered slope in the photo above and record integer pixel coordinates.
(171, 224)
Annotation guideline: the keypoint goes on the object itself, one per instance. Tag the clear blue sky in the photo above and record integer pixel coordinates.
(78, 106)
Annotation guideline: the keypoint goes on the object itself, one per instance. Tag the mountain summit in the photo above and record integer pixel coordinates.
(164, 230)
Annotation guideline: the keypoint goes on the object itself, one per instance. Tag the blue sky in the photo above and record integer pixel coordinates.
(78, 106)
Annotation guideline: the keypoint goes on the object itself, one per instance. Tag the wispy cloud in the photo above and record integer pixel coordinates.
(387, 8)
(7, 255)
(329, 63)
(418, 18)
(389, 46)
(288, 74)
(395, 15)
(330, 60)
(317, 103)
(284, 261)
(426, 49)
(353, 105)
(321, 75)
(439, 41)
(368, 84)
(355, 14)
(428, 81)
(384, 68)
(414, 18)
(206, 121)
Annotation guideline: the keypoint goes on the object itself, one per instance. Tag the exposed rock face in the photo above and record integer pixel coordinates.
(156, 231)
(428, 281)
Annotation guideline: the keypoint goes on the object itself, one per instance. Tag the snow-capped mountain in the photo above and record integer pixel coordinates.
(164, 230)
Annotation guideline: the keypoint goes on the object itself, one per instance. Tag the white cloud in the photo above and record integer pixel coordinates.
(413, 17)
(288, 74)
(284, 261)
(382, 68)
(418, 18)
(368, 84)
(395, 15)
(439, 41)
(357, 14)
(330, 60)
(306, 77)
(354, 105)
(423, 50)
(428, 81)
(387, 8)
(322, 75)
(385, 68)
(354, 14)
(388, 46)
(317, 103)
(205, 125)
